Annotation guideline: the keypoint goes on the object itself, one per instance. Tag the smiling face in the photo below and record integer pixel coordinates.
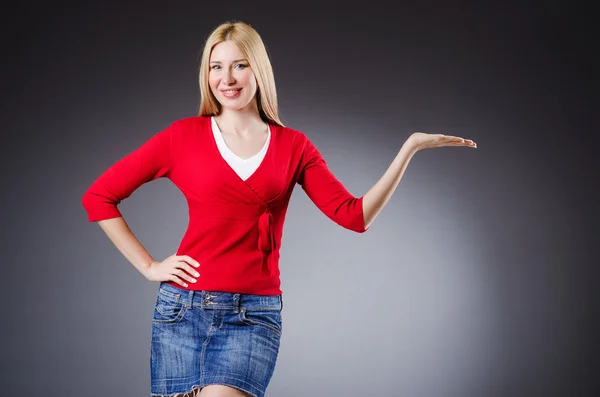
(230, 77)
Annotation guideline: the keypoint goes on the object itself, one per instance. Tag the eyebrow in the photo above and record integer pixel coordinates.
(237, 60)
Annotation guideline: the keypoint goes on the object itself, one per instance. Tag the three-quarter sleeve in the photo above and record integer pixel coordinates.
(327, 192)
(149, 161)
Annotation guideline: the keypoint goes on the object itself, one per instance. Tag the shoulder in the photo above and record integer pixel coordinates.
(184, 128)
(297, 138)
(190, 123)
(300, 145)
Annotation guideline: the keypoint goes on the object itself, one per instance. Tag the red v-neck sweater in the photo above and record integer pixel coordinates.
(235, 226)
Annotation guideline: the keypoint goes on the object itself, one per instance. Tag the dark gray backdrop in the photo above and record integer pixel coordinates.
(477, 279)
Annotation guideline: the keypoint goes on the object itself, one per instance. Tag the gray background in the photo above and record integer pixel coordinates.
(477, 279)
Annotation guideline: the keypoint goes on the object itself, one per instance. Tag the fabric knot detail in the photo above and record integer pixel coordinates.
(266, 237)
(266, 240)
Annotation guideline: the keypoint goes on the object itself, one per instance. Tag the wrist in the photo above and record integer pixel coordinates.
(411, 146)
(146, 268)
(412, 143)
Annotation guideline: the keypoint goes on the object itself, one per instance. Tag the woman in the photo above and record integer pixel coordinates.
(217, 319)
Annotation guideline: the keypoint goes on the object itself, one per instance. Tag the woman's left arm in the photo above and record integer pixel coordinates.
(378, 196)
(357, 213)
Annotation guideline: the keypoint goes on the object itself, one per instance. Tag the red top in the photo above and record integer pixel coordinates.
(235, 226)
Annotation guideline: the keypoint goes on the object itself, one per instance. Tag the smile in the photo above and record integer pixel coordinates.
(231, 93)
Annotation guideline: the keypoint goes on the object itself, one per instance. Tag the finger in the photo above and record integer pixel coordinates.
(454, 144)
(188, 269)
(453, 140)
(184, 275)
(464, 145)
(456, 139)
(469, 142)
(189, 260)
(178, 281)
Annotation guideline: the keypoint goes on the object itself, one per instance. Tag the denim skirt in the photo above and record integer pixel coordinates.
(201, 338)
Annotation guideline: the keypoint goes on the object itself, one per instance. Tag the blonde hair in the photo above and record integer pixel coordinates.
(252, 47)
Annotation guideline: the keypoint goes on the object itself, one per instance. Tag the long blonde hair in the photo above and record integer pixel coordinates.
(252, 47)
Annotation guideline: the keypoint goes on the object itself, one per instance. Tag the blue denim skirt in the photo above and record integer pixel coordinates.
(201, 338)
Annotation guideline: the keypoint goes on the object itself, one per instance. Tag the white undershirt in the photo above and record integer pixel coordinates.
(243, 167)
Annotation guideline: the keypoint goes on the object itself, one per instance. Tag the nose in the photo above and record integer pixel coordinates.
(228, 77)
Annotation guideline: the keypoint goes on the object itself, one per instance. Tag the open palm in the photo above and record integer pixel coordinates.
(425, 141)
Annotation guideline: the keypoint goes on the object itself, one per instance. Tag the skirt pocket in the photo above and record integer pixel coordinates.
(168, 308)
(268, 319)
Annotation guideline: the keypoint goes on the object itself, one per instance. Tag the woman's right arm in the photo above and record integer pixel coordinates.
(172, 269)
(123, 238)
(148, 162)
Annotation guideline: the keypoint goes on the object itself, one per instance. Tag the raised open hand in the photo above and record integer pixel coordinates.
(421, 140)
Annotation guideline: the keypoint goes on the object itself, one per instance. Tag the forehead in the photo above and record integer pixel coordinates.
(225, 51)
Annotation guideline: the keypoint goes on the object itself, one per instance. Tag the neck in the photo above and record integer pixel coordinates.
(240, 122)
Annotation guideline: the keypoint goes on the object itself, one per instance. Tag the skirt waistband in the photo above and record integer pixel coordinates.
(222, 300)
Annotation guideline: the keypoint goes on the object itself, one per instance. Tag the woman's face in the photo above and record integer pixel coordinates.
(230, 77)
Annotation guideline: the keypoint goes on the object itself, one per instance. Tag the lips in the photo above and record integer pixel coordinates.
(231, 93)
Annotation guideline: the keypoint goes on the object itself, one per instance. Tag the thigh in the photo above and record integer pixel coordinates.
(222, 391)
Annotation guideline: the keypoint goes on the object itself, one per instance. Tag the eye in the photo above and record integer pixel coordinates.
(241, 66)
(215, 67)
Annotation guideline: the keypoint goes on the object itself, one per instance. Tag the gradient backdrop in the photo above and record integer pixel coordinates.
(477, 279)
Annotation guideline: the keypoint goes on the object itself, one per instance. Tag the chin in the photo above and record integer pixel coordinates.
(231, 105)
